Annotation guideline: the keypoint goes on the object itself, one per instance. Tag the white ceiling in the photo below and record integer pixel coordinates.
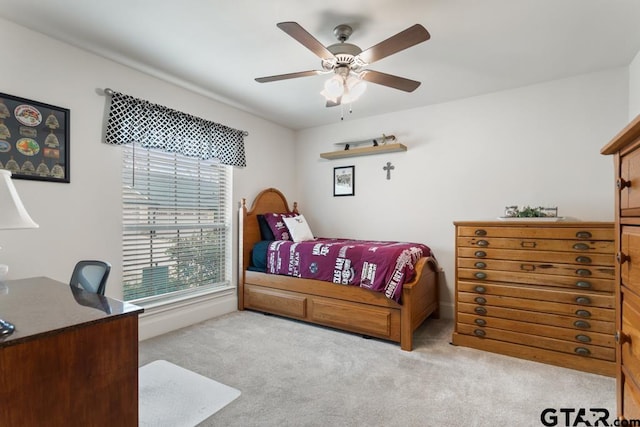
(218, 47)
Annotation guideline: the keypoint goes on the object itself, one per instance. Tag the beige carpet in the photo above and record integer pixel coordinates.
(294, 374)
(172, 396)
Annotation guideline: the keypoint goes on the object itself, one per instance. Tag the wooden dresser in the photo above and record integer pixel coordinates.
(625, 148)
(538, 290)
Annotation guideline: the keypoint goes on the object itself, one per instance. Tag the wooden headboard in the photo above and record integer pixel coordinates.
(269, 200)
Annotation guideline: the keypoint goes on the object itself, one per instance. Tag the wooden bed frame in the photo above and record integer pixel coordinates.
(349, 308)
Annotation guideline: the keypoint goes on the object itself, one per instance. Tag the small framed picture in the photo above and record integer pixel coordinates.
(34, 139)
(344, 181)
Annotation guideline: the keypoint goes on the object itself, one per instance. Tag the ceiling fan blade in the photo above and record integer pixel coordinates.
(288, 76)
(307, 40)
(403, 40)
(389, 80)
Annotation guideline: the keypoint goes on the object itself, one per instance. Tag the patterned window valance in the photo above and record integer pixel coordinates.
(155, 126)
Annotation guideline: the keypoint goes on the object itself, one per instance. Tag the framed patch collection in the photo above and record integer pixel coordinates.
(34, 139)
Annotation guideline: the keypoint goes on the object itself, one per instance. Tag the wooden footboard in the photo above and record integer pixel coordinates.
(348, 308)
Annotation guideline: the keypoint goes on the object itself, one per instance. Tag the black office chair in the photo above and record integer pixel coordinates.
(91, 276)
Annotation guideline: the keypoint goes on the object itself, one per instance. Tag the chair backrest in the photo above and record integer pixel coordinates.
(91, 276)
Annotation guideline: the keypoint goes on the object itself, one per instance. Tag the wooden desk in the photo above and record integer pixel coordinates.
(72, 360)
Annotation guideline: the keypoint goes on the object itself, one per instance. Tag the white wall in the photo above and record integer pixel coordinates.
(83, 219)
(634, 87)
(466, 160)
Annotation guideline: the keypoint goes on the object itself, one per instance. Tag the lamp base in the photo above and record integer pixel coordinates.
(6, 328)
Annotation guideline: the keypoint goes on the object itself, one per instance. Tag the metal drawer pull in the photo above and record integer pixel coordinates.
(581, 324)
(582, 284)
(480, 275)
(528, 244)
(480, 300)
(481, 232)
(583, 260)
(621, 258)
(480, 289)
(583, 300)
(480, 310)
(583, 272)
(480, 254)
(583, 313)
(480, 265)
(479, 333)
(583, 235)
(583, 338)
(482, 243)
(581, 247)
(621, 183)
(582, 351)
(480, 322)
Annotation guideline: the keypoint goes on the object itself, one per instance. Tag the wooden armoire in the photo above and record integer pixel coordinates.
(625, 147)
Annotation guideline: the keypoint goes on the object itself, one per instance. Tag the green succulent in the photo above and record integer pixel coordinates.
(529, 212)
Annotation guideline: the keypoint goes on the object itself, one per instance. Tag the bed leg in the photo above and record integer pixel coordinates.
(406, 344)
(406, 329)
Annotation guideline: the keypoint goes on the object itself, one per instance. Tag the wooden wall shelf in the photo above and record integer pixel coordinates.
(364, 151)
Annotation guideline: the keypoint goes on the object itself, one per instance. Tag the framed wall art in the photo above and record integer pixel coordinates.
(34, 139)
(344, 178)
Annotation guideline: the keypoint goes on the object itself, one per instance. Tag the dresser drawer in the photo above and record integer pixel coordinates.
(538, 256)
(580, 311)
(630, 247)
(630, 195)
(631, 405)
(582, 298)
(630, 347)
(571, 322)
(525, 327)
(544, 268)
(579, 232)
(575, 246)
(578, 349)
(602, 285)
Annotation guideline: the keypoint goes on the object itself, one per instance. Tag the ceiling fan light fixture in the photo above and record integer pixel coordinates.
(334, 87)
(329, 98)
(354, 89)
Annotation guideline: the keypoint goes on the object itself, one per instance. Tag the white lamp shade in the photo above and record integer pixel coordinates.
(355, 88)
(12, 211)
(334, 87)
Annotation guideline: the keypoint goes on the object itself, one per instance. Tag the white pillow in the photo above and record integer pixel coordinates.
(298, 228)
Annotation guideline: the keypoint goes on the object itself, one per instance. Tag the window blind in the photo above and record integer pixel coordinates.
(176, 224)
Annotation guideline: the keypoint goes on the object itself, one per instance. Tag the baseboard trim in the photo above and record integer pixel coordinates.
(170, 317)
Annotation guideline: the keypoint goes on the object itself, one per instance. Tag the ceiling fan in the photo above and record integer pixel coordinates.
(348, 62)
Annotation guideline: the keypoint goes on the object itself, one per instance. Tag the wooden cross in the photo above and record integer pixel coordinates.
(388, 168)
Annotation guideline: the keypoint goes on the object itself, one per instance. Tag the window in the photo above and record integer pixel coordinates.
(176, 225)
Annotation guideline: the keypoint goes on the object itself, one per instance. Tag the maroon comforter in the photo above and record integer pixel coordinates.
(379, 266)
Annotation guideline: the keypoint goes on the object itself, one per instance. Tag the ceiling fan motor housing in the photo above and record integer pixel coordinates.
(344, 53)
